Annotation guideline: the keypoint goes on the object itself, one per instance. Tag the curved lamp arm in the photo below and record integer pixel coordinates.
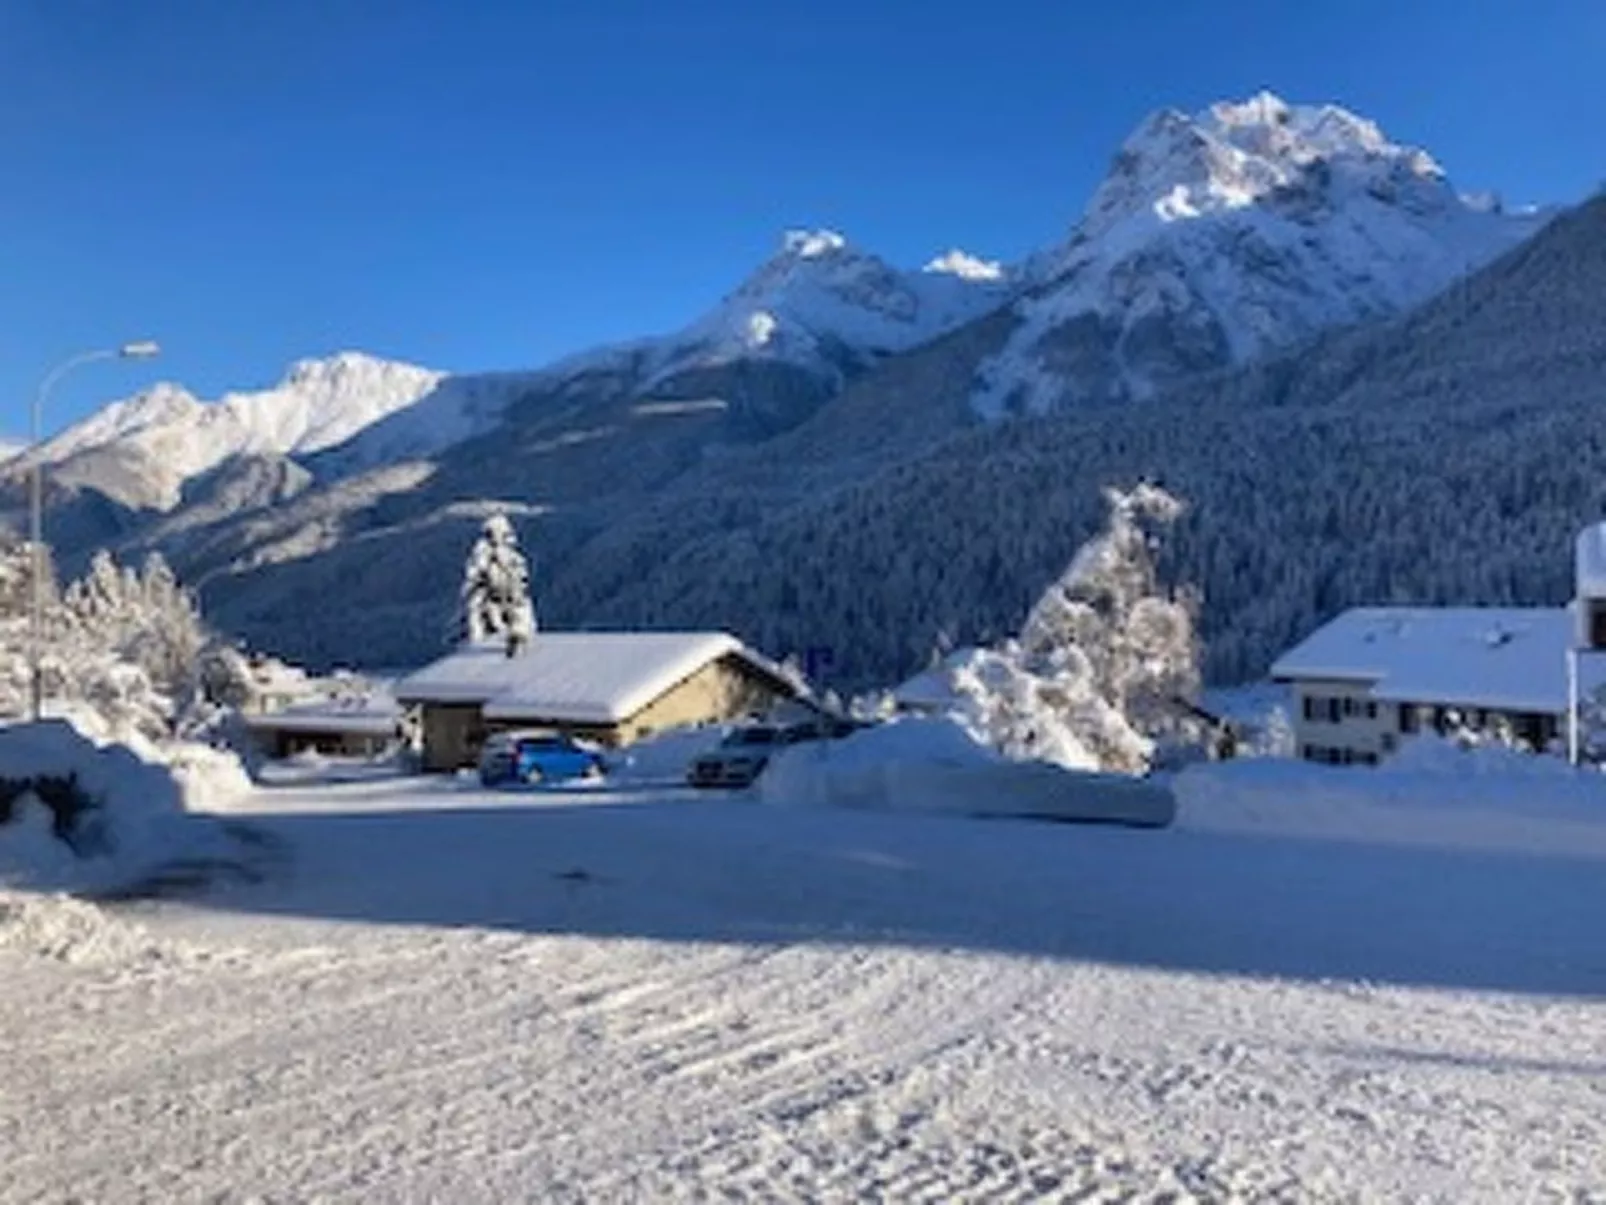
(141, 350)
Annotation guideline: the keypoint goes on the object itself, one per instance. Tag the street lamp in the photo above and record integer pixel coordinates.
(144, 349)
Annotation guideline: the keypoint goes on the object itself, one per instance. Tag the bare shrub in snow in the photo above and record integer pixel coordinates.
(495, 595)
(1090, 681)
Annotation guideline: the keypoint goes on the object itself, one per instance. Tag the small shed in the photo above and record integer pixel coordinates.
(358, 727)
(609, 687)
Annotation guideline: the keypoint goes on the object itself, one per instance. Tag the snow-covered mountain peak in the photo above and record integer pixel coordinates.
(317, 404)
(1232, 155)
(820, 298)
(812, 244)
(965, 266)
(347, 370)
(1228, 233)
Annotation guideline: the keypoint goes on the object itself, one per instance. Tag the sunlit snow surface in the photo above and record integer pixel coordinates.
(1321, 984)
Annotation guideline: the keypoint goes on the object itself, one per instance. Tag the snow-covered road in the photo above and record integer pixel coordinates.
(447, 995)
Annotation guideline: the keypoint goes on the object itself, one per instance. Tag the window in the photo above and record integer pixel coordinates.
(1371, 709)
(1597, 623)
(1309, 705)
(1368, 759)
(1409, 720)
(1390, 741)
(1333, 711)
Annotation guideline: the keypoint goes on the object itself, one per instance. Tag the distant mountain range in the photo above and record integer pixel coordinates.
(683, 478)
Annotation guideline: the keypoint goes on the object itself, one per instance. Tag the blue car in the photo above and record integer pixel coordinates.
(532, 757)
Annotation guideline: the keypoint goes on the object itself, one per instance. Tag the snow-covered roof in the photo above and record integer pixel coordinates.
(1503, 658)
(582, 677)
(377, 713)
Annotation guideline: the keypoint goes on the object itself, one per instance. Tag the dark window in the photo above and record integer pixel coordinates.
(1371, 709)
(1388, 742)
(1409, 720)
(1309, 704)
(1597, 623)
(1333, 711)
(1368, 759)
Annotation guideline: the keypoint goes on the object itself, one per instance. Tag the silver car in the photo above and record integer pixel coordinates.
(739, 759)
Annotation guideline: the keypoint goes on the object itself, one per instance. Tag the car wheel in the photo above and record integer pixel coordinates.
(533, 775)
(593, 770)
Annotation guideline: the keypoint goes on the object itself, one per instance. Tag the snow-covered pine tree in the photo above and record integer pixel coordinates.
(494, 600)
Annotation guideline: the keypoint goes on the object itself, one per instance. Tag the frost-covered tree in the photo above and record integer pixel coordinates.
(495, 596)
(119, 648)
(145, 618)
(1091, 680)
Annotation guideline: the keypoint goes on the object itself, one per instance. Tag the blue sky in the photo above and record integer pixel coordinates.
(475, 185)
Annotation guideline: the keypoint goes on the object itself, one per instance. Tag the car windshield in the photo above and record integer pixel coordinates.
(752, 736)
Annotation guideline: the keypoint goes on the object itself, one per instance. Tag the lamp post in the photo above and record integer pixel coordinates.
(142, 350)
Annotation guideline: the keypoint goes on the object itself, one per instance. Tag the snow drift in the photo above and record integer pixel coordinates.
(933, 765)
(1431, 794)
(137, 820)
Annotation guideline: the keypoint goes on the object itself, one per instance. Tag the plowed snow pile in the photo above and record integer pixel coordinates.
(137, 820)
(934, 765)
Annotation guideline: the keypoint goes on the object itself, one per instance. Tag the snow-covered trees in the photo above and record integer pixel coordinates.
(122, 645)
(1090, 681)
(145, 618)
(495, 596)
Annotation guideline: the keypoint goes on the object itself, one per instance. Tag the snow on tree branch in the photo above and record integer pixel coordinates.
(1090, 681)
(494, 599)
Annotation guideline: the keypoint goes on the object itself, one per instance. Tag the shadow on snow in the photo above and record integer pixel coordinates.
(733, 870)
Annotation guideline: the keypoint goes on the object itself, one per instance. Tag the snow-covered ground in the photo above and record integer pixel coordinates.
(638, 993)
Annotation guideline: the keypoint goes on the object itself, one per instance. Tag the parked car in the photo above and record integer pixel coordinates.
(741, 757)
(535, 756)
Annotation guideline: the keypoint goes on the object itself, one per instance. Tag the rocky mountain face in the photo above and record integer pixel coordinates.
(1448, 455)
(1228, 234)
(327, 518)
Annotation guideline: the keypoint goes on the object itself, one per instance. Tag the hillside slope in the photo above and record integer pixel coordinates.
(663, 478)
(1448, 455)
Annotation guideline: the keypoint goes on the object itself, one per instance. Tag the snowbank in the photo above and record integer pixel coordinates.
(140, 820)
(934, 765)
(1430, 793)
(209, 779)
(63, 929)
(664, 756)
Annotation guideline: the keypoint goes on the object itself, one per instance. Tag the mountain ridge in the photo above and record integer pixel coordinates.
(633, 466)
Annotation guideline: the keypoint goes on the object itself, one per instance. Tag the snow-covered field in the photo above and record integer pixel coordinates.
(638, 994)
